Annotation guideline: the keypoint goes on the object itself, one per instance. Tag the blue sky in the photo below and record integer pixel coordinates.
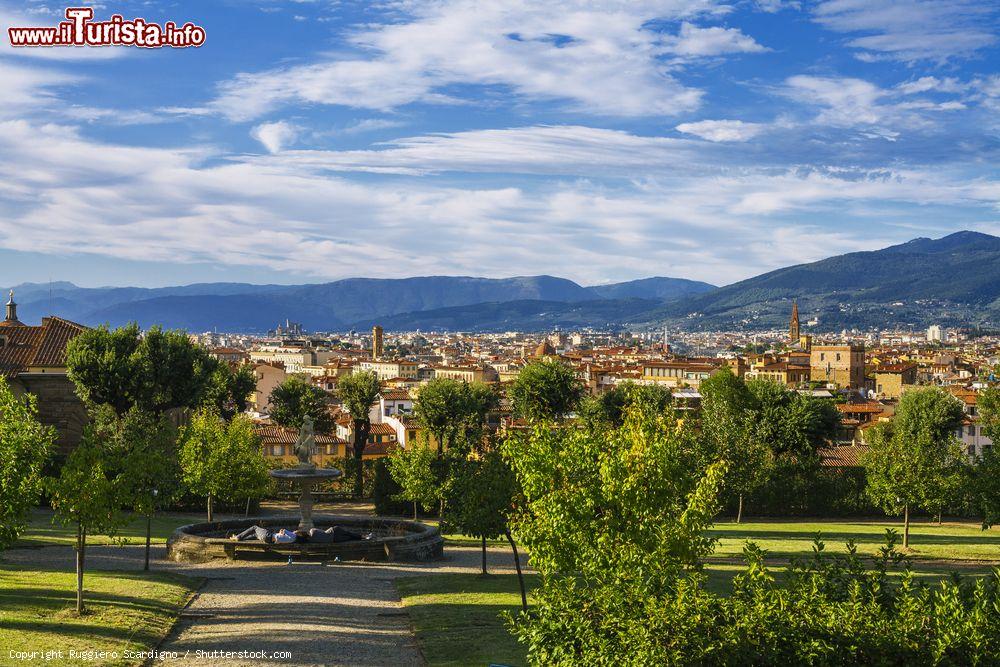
(312, 140)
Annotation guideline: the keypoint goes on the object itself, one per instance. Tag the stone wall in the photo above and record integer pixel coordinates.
(58, 406)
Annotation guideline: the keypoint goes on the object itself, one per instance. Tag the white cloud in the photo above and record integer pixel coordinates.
(722, 130)
(545, 150)
(693, 41)
(173, 205)
(275, 136)
(909, 30)
(26, 88)
(845, 101)
(601, 57)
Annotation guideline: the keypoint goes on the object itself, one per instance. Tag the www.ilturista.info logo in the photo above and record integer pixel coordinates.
(81, 30)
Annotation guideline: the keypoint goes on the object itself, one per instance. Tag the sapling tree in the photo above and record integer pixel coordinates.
(90, 493)
(413, 469)
(912, 461)
(222, 461)
(25, 446)
(481, 492)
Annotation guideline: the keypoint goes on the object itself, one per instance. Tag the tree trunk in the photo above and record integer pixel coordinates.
(246, 512)
(739, 511)
(149, 521)
(210, 508)
(484, 556)
(81, 545)
(906, 526)
(520, 576)
(414, 510)
(361, 431)
(939, 519)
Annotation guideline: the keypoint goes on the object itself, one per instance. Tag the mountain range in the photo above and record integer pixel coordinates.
(954, 280)
(343, 304)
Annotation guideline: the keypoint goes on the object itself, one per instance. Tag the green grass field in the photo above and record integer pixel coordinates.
(781, 539)
(125, 612)
(457, 617)
(42, 531)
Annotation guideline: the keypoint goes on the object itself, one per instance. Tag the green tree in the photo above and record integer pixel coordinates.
(145, 444)
(481, 492)
(296, 398)
(615, 523)
(612, 407)
(413, 469)
(230, 389)
(441, 408)
(90, 494)
(222, 460)
(545, 390)
(25, 447)
(728, 413)
(985, 474)
(912, 461)
(358, 391)
(481, 400)
(156, 371)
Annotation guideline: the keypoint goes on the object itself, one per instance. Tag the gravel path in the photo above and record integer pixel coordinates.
(336, 614)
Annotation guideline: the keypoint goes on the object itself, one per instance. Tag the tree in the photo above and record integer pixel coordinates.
(728, 412)
(441, 409)
(89, 493)
(413, 470)
(358, 391)
(146, 446)
(985, 474)
(612, 407)
(25, 447)
(222, 460)
(545, 390)
(230, 389)
(481, 492)
(156, 371)
(294, 399)
(614, 520)
(912, 461)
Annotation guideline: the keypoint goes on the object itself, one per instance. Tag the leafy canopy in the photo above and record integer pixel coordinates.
(546, 389)
(295, 399)
(25, 446)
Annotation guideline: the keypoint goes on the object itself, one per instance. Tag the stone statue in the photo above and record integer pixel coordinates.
(305, 445)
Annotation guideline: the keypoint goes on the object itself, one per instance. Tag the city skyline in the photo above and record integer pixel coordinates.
(312, 141)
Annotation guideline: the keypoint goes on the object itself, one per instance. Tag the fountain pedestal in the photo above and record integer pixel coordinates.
(304, 476)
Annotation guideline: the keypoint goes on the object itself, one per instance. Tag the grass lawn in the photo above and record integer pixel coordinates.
(126, 612)
(457, 617)
(43, 532)
(781, 539)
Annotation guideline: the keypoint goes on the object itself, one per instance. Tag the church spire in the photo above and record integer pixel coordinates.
(793, 327)
(11, 318)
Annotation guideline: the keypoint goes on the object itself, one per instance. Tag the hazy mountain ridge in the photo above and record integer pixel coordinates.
(325, 306)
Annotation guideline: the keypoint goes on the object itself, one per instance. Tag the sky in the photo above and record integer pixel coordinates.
(312, 140)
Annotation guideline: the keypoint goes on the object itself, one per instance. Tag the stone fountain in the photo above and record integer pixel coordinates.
(305, 473)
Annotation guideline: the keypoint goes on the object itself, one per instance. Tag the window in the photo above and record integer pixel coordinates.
(972, 430)
(277, 450)
(838, 356)
(822, 356)
(972, 450)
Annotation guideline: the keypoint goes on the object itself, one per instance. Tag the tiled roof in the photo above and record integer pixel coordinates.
(395, 395)
(272, 434)
(25, 347)
(382, 429)
(842, 457)
(861, 408)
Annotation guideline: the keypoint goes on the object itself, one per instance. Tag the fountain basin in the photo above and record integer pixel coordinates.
(393, 540)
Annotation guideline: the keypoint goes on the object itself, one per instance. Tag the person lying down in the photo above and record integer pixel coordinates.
(286, 536)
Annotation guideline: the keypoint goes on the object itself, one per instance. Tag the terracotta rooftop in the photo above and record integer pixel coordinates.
(24, 347)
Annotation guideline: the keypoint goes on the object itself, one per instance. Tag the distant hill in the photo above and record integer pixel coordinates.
(951, 280)
(326, 306)
(651, 288)
(525, 315)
